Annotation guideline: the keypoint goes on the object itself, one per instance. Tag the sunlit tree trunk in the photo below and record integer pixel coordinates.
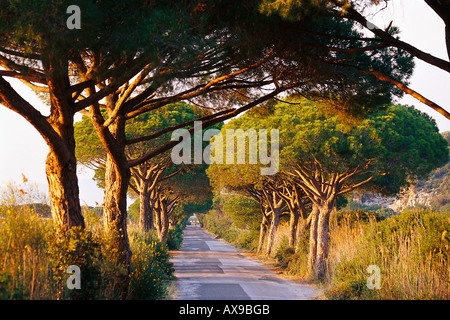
(313, 240)
(61, 164)
(117, 178)
(293, 224)
(63, 192)
(145, 210)
(262, 231)
(276, 206)
(323, 227)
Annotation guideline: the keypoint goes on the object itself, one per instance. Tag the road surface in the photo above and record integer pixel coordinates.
(209, 269)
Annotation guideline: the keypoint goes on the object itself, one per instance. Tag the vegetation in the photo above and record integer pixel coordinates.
(158, 184)
(131, 71)
(322, 159)
(34, 260)
(359, 11)
(411, 249)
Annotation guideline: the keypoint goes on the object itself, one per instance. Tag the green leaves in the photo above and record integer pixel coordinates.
(393, 145)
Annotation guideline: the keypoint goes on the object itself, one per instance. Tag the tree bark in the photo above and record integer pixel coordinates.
(262, 232)
(273, 229)
(293, 224)
(57, 131)
(117, 178)
(164, 223)
(323, 227)
(276, 206)
(63, 193)
(115, 218)
(115, 207)
(61, 164)
(313, 240)
(302, 228)
(145, 210)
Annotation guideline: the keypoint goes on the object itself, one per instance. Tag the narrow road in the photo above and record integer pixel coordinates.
(209, 269)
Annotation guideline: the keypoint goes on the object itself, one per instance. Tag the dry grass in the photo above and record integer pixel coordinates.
(411, 250)
(33, 260)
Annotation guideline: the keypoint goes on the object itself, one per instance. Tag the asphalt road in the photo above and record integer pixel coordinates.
(209, 269)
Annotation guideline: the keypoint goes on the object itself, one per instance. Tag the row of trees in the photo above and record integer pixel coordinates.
(133, 58)
(321, 159)
(158, 184)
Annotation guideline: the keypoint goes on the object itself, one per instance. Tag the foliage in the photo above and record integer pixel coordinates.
(229, 225)
(78, 248)
(411, 249)
(23, 248)
(110, 29)
(244, 212)
(150, 268)
(175, 237)
(192, 182)
(35, 259)
(392, 145)
(284, 253)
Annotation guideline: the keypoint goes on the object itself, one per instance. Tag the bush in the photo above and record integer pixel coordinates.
(175, 237)
(35, 259)
(82, 249)
(150, 268)
(284, 253)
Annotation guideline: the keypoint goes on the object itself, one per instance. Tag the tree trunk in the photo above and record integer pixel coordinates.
(115, 206)
(63, 193)
(323, 227)
(273, 229)
(293, 224)
(302, 227)
(313, 240)
(262, 232)
(115, 218)
(117, 178)
(145, 210)
(164, 224)
(156, 207)
(61, 164)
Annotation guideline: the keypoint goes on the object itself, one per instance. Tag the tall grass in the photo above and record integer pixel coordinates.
(411, 250)
(24, 264)
(34, 260)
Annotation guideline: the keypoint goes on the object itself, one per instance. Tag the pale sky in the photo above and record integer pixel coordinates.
(22, 149)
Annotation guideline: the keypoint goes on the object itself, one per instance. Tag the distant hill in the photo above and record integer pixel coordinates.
(432, 192)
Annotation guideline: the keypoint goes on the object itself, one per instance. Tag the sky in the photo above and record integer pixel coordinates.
(23, 151)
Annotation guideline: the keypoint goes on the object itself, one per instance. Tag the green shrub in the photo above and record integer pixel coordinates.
(431, 227)
(284, 253)
(247, 239)
(150, 268)
(175, 237)
(35, 259)
(82, 249)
